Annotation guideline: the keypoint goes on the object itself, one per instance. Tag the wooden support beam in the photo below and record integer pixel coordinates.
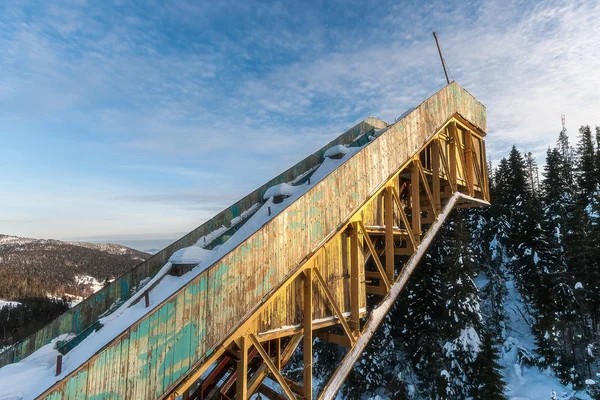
(371, 247)
(435, 182)
(404, 251)
(480, 171)
(241, 387)
(296, 388)
(448, 175)
(389, 233)
(426, 186)
(354, 280)
(405, 219)
(308, 339)
(484, 168)
(452, 155)
(278, 353)
(372, 275)
(280, 379)
(270, 393)
(332, 302)
(379, 290)
(263, 370)
(415, 202)
(340, 340)
(469, 163)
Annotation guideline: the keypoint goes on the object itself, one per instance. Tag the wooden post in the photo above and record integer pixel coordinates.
(416, 201)
(389, 233)
(435, 157)
(354, 280)
(469, 163)
(147, 299)
(59, 364)
(308, 356)
(484, 169)
(278, 353)
(241, 392)
(452, 153)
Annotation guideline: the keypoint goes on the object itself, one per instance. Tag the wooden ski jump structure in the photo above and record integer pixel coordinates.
(330, 265)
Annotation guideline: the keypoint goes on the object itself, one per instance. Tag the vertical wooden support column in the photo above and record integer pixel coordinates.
(354, 280)
(308, 338)
(435, 166)
(241, 392)
(452, 153)
(389, 233)
(484, 169)
(278, 353)
(469, 161)
(416, 202)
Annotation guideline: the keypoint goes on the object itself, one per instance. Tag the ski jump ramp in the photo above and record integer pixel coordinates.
(322, 250)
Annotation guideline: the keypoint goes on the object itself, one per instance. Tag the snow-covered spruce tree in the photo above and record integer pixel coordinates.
(583, 249)
(379, 369)
(489, 236)
(514, 200)
(582, 246)
(462, 324)
(488, 382)
(420, 306)
(557, 311)
(441, 322)
(586, 176)
(598, 155)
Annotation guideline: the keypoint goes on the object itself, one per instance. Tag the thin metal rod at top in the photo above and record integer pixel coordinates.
(441, 57)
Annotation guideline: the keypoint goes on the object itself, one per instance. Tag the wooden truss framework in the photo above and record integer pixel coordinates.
(433, 192)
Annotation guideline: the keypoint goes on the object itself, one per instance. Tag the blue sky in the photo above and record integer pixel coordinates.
(132, 118)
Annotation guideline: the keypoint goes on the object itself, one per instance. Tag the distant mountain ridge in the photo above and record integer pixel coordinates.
(47, 267)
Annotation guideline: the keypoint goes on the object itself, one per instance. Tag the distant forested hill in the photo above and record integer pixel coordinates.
(40, 267)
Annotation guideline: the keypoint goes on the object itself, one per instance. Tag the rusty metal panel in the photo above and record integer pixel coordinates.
(228, 296)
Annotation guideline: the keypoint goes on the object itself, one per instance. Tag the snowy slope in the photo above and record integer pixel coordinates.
(525, 382)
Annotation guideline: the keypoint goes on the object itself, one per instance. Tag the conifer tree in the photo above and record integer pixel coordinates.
(587, 178)
(556, 308)
(488, 383)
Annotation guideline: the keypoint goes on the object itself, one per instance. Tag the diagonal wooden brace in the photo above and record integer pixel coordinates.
(272, 367)
(426, 185)
(375, 256)
(411, 235)
(336, 309)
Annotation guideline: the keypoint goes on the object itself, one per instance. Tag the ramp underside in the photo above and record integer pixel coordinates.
(350, 235)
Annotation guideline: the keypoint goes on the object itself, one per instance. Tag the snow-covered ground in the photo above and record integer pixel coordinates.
(90, 282)
(16, 379)
(526, 382)
(4, 303)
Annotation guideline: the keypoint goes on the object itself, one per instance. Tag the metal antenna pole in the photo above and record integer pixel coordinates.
(441, 57)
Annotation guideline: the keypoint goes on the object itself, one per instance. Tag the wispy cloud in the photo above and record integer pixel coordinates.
(155, 115)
